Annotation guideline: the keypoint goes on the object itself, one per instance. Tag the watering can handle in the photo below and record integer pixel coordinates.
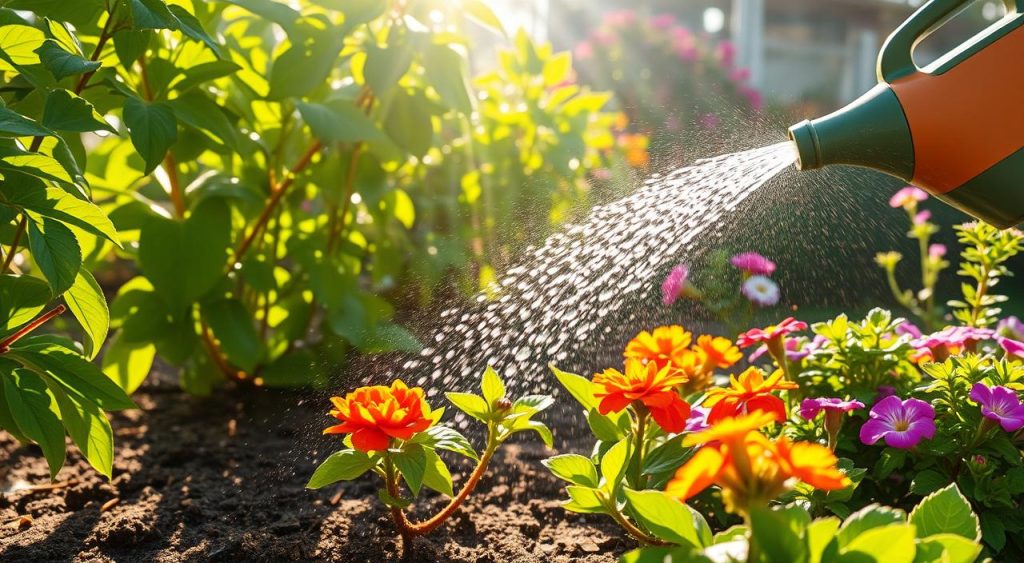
(896, 59)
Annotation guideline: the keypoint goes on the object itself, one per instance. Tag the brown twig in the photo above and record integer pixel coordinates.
(217, 355)
(105, 35)
(6, 343)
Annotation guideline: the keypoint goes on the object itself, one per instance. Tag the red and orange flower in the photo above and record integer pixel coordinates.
(646, 386)
(771, 334)
(717, 352)
(665, 346)
(749, 393)
(750, 468)
(374, 415)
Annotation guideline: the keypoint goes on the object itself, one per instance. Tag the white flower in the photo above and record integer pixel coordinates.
(761, 291)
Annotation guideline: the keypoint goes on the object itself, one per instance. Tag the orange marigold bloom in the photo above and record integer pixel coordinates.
(645, 384)
(719, 352)
(664, 346)
(751, 469)
(750, 393)
(374, 415)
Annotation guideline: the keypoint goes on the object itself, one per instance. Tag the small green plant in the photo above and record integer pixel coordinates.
(983, 262)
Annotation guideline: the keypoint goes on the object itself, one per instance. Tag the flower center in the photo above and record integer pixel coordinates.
(901, 425)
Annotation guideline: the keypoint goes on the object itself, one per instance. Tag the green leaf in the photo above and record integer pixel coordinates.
(21, 299)
(308, 62)
(393, 502)
(87, 303)
(79, 378)
(445, 438)
(579, 387)
(339, 121)
(196, 109)
(65, 111)
(130, 46)
(13, 124)
(61, 63)
(664, 516)
(153, 129)
(948, 548)
(542, 430)
(193, 28)
(294, 369)
(871, 516)
(946, 512)
(32, 406)
(473, 405)
(33, 164)
(604, 426)
(613, 464)
(18, 44)
(819, 535)
(479, 11)
(66, 208)
(389, 337)
(889, 544)
(492, 387)
(585, 500)
(185, 259)
(88, 427)
(152, 14)
(386, 65)
(447, 72)
(687, 554)
(557, 69)
(196, 75)
(927, 481)
(340, 466)
(233, 326)
(778, 533)
(573, 468)
(436, 475)
(411, 463)
(128, 363)
(55, 250)
(409, 124)
(81, 13)
(667, 456)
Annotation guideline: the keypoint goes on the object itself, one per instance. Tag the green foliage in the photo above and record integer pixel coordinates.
(986, 250)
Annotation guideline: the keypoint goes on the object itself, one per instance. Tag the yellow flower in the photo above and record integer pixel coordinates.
(665, 346)
(749, 393)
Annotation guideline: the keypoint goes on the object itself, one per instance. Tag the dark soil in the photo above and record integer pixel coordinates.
(222, 479)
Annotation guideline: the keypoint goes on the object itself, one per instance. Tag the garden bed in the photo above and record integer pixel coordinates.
(222, 479)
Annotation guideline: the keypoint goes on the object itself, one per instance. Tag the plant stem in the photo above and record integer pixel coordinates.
(634, 531)
(217, 355)
(636, 464)
(105, 35)
(979, 295)
(22, 225)
(6, 343)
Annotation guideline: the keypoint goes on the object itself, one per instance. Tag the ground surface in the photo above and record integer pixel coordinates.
(221, 479)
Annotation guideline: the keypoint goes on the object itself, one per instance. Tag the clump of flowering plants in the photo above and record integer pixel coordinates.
(393, 432)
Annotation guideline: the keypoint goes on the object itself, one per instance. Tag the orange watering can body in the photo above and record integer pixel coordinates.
(954, 128)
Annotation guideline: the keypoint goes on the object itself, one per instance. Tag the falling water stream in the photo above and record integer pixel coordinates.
(559, 299)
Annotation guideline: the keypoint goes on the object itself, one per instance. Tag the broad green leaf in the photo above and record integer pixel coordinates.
(196, 75)
(819, 535)
(664, 516)
(61, 63)
(579, 387)
(491, 385)
(21, 299)
(573, 468)
(193, 28)
(949, 548)
(436, 475)
(7, 421)
(130, 45)
(152, 14)
(778, 533)
(196, 109)
(585, 500)
(153, 129)
(687, 554)
(385, 65)
(13, 124)
(78, 377)
(33, 164)
(81, 13)
(32, 406)
(482, 13)
(308, 62)
(411, 463)
(66, 208)
(557, 69)
(65, 111)
(605, 427)
(233, 326)
(445, 438)
(86, 301)
(185, 259)
(339, 121)
(447, 72)
(340, 466)
(927, 481)
(946, 511)
(277, 12)
(295, 369)
(473, 405)
(55, 250)
(871, 516)
(667, 456)
(409, 123)
(18, 44)
(543, 431)
(889, 544)
(613, 464)
(88, 427)
(128, 363)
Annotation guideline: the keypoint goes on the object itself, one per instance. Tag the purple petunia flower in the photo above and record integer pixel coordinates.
(908, 328)
(1013, 348)
(1000, 404)
(795, 351)
(902, 423)
(753, 264)
(698, 420)
(675, 282)
(1011, 327)
(809, 408)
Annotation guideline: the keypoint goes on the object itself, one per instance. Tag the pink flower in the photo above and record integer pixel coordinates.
(620, 18)
(726, 53)
(603, 37)
(901, 423)
(687, 52)
(1011, 327)
(908, 328)
(1013, 348)
(710, 121)
(795, 351)
(740, 75)
(754, 98)
(809, 408)
(907, 196)
(584, 51)
(953, 336)
(1000, 404)
(936, 251)
(753, 263)
(761, 291)
(922, 217)
(674, 284)
(753, 336)
(663, 21)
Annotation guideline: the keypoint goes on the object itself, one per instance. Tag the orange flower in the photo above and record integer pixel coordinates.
(374, 415)
(664, 346)
(718, 352)
(644, 385)
(750, 393)
(750, 468)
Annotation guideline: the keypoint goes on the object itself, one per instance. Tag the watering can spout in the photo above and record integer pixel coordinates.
(954, 128)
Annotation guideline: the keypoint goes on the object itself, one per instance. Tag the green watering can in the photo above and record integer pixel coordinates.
(954, 128)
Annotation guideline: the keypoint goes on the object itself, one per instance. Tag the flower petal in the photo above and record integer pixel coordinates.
(697, 474)
(873, 431)
(370, 439)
